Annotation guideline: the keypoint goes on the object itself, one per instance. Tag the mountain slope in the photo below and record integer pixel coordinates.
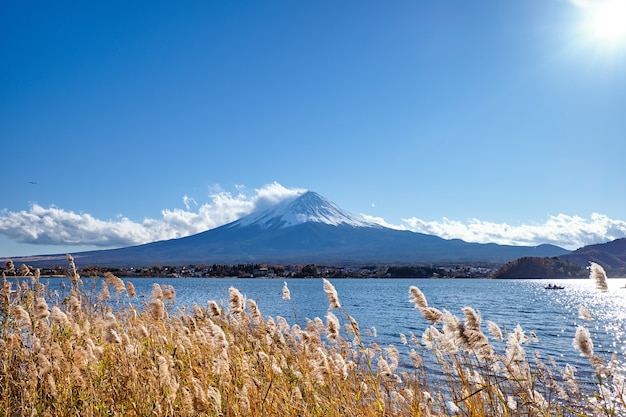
(611, 255)
(307, 229)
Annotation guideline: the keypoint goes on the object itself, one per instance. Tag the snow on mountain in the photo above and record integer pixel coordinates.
(308, 207)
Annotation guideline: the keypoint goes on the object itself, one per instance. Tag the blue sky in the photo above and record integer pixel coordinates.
(127, 122)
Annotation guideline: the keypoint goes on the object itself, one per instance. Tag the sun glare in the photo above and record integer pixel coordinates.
(609, 21)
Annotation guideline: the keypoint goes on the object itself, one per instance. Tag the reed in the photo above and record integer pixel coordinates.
(93, 353)
(598, 275)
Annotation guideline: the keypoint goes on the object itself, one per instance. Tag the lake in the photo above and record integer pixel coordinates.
(383, 307)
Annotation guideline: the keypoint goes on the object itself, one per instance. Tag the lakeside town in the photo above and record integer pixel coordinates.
(252, 270)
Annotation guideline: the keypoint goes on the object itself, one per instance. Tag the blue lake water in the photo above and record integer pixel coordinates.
(383, 305)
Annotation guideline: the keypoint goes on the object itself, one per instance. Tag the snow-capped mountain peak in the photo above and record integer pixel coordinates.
(308, 207)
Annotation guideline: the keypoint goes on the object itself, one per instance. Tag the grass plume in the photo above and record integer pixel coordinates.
(598, 275)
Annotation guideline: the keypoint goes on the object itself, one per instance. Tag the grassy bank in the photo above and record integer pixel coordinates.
(102, 352)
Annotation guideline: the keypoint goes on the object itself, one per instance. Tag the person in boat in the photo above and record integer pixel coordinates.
(553, 287)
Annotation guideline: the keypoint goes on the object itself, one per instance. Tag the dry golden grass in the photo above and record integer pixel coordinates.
(102, 353)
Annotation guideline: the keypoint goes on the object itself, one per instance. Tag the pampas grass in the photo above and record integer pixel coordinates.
(597, 274)
(583, 313)
(286, 293)
(90, 355)
(582, 342)
(331, 294)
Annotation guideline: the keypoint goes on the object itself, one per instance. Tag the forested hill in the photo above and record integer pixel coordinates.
(536, 267)
(611, 255)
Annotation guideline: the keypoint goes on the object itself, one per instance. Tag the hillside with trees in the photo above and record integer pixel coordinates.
(535, 267)
(611, 255)
(414, 271)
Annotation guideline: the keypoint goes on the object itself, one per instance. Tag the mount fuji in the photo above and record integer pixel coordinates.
(305, 229)
(308, 207)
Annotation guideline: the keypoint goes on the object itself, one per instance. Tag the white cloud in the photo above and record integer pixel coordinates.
(570, 232)
(188, 201)
(55, 226)
(382, 222)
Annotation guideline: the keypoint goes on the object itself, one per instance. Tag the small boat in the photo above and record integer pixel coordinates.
(554, 287)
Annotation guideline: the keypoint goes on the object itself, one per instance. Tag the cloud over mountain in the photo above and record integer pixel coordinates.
(53, 225)
(570, 232)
